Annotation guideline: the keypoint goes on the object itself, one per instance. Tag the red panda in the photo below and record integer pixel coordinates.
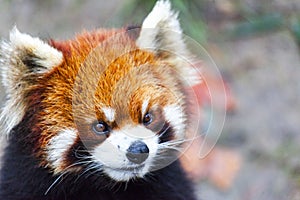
(100, 116)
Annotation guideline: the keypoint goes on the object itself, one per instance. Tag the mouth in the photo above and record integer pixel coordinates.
(132, 169)
(126, 173)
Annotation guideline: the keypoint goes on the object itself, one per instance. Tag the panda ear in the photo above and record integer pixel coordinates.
(161, 33)
(22, 60)
(24, 56)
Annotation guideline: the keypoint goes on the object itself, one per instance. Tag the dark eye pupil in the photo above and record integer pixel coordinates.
(147, 119)
(100, 128)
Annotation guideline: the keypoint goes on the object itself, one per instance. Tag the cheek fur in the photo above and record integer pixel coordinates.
(58, 147)
(174, 115)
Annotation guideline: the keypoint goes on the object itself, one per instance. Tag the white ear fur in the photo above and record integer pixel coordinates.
(161, 31)
(21, 57)
(24, 55)
(46, 55)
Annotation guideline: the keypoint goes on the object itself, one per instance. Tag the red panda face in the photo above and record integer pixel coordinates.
(126, 109)
(103, 102)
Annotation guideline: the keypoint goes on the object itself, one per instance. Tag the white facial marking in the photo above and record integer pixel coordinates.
(145, 106)
(175, 115)
(59, 144)
(109, 113)
(112, 153)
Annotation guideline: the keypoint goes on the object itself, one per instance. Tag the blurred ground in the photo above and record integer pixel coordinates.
(263, 71)
(264, 75)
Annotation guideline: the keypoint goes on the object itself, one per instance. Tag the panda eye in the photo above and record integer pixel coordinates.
(148, 118)
(101, 128)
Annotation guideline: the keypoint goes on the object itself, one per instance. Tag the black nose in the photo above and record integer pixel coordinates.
(137, 152)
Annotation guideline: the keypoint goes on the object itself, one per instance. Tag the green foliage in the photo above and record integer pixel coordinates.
(295, 27)
(259, 24)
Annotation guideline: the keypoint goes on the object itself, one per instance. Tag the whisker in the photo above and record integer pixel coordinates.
(83, 156)
(89, 169)
(93, 172)
(54, 182)
(173, 148)
(178, 141)
(60, 176)
(161, 134)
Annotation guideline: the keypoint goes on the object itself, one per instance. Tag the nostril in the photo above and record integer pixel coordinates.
(137, 152)
(138, 147)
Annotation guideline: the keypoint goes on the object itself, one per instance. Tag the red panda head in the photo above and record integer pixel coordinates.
(102, 101)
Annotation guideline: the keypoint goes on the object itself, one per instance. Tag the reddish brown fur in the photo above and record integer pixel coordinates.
(102, 68)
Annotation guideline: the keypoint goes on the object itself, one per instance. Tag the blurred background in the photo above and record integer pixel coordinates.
(255, 44)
